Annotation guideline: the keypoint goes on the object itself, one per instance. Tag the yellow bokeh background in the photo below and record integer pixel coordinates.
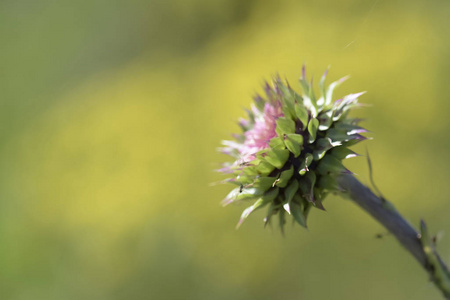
(111, 115)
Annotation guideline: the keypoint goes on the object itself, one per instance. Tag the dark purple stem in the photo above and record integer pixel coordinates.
(385, 213)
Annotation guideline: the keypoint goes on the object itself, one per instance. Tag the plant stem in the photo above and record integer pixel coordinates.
(420, 245)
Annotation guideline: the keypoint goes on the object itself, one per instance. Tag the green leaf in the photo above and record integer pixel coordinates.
(349, 128)
(289, 97)
(231, 197)
(270, 93)
(307, 186)
(277, 143)
(309, 98)
(297, 213)
(331, 165)
(261, 202)
(294, 143)
(318, 199)
(323, 145)
(277, 157)
(321, 101)
(249, 193)
(239, 194)
(331, 87)
(285, 126)
(342, 152)
(250, 171)
(358, 138)
(339, 135)
(285, 176)
(258, 204)
(328, 182)
(312, 129)
(289, 94)
(270, 212)
(264, 183)
(259, 102)
(325, 120)
(271, 194)
(312, 97)
(305, 164)
(311, 105)
(343, 106)
(243, 179)
(265, 168)
(290, 191)
(296, 137)
(306, 209)
(305, 85)
(302, 114)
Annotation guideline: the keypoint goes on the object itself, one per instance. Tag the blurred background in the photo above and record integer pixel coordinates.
(111, 112)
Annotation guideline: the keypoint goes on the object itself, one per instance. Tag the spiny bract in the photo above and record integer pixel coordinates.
(291, 149)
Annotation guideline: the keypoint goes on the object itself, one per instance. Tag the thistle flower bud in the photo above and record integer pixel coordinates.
(291, 149)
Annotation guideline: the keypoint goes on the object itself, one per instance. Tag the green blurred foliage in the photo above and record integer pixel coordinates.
(111, 114)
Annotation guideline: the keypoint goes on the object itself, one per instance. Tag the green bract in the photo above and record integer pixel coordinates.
(291, 149)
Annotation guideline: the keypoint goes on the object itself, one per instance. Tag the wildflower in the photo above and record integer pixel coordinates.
(291, 149)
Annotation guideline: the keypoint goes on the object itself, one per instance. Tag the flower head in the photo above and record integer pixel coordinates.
(263, 130)
(291, 149)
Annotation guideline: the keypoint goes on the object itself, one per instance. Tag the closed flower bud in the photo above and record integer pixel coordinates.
(291, 149)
